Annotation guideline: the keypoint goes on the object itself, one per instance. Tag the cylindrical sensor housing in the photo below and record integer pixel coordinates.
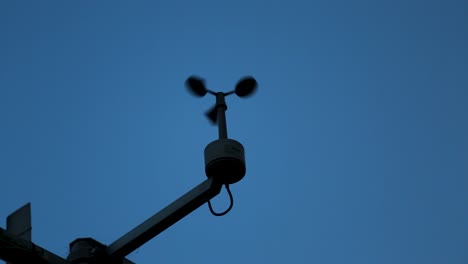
(225, 160)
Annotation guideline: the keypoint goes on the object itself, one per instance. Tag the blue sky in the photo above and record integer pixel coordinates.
(356, 140)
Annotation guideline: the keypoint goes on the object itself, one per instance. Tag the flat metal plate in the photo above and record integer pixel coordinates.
(19, 223)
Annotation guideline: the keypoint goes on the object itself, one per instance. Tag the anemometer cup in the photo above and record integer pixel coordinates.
(225, 161)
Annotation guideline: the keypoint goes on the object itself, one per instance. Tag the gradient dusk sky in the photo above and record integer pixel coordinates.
(356, 141)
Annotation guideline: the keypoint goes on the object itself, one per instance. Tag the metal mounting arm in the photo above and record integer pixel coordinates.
(164, 218)
(20, 251)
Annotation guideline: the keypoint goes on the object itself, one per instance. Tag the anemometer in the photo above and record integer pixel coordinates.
(224, 157)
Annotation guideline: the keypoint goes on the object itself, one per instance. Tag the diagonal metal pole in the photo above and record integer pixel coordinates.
(164, 218)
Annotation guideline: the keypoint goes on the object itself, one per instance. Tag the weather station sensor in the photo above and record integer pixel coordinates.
(224, 157)
(224, 165)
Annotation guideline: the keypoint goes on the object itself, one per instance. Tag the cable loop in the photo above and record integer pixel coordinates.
(230, 206)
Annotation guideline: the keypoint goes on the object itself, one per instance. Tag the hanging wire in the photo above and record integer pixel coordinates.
(229, 208)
